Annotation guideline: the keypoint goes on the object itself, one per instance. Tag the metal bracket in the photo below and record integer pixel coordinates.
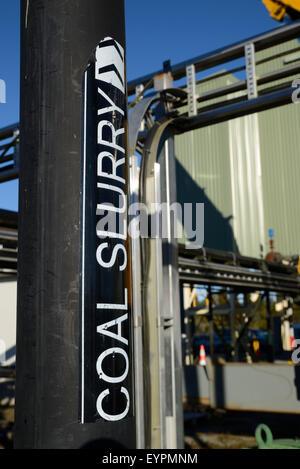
(250, 70)
(191, 89)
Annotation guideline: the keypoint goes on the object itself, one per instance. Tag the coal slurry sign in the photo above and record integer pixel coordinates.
(106, 365)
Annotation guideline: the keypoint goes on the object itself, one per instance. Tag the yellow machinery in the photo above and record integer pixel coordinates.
(279, 8)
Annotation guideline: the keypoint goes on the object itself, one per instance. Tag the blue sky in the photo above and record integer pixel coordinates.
(156, 30)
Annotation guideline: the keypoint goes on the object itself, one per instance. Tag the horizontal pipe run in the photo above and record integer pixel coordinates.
(231, 111)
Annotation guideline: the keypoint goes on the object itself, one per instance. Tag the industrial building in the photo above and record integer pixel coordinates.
(245, 170)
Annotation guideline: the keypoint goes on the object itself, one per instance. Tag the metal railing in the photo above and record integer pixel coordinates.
(9, 150)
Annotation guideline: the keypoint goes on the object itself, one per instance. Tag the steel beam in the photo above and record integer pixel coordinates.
(231, 111)
(162, 339)
(171, 298)
(8, 131)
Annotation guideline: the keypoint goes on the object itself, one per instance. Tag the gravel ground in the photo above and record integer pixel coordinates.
(218, 429)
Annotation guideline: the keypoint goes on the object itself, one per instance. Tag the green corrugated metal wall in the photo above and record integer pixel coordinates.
(246, 171)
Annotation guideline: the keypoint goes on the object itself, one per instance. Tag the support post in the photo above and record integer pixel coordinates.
(171, 297)
(269, 329)
(211, 325)
(232, 320)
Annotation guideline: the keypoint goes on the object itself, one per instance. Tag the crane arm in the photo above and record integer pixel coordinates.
(278, 8)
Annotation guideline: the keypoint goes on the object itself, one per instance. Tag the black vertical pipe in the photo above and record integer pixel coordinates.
(58, 38)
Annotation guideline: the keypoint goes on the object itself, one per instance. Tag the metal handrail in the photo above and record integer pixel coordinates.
(225, 54)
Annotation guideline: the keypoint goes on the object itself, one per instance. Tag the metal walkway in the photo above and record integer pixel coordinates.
(8, 243)
(210, 267)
